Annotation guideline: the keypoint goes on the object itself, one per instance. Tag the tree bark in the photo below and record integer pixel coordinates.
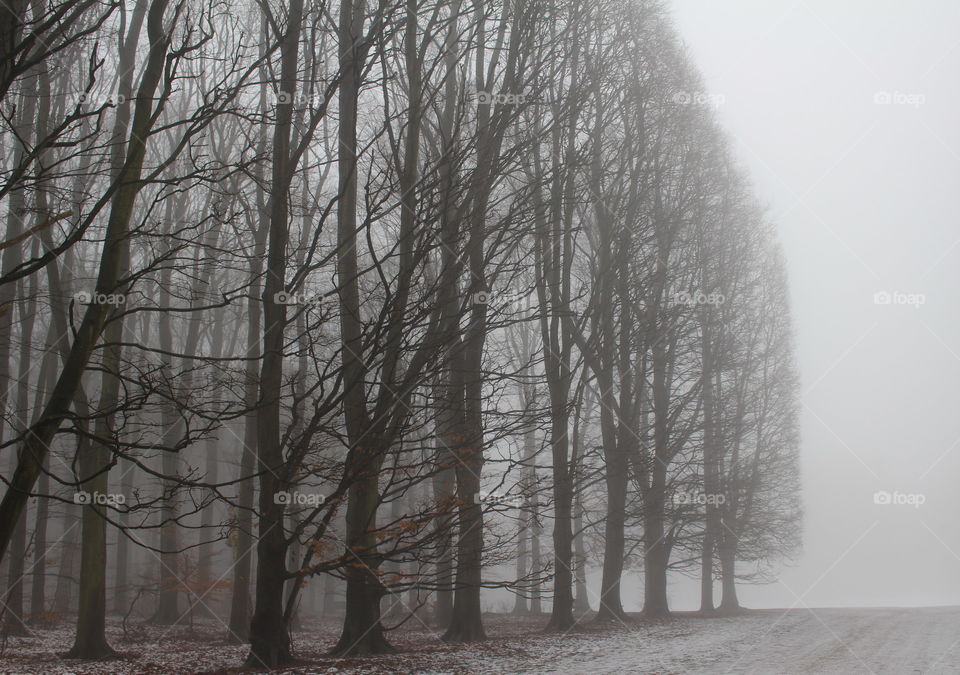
(269, 635)
(14, 606)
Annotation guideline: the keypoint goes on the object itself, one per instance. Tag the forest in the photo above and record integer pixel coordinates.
(369, 311)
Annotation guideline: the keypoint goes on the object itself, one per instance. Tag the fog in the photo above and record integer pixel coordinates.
(480, 336)
(863, 195)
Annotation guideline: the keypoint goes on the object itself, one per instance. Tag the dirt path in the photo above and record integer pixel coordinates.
(829, 641)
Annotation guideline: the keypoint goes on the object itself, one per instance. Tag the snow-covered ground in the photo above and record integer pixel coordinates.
(896, 641)
(838, 641)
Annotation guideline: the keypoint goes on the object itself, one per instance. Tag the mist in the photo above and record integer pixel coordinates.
(479, 336)
(861, 192)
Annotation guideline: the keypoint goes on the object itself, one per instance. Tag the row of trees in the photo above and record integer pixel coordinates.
(376, 293)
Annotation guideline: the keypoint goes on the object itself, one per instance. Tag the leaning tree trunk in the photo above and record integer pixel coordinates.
(90, 641)
(36, 446)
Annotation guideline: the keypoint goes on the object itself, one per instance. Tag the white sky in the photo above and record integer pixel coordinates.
(865, 196)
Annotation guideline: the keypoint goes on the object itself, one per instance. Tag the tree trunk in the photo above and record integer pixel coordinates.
(121, 586)
(466, 624)
(523, 564)
(561, 618)
(711, 478)
(362, 630)
(611, 607)
(728, 584)
(656, 552)
(90, 641)
(66, 575)
(14, 623)
(38, 575)
(443, 493)
(581, 603)
(242, 526)
(329, 596)
(269, 636)
(170, 583)
(39, 572)
(207, 553)
(12, 256)
(238, 629)
(536, 557)
(14, 607)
